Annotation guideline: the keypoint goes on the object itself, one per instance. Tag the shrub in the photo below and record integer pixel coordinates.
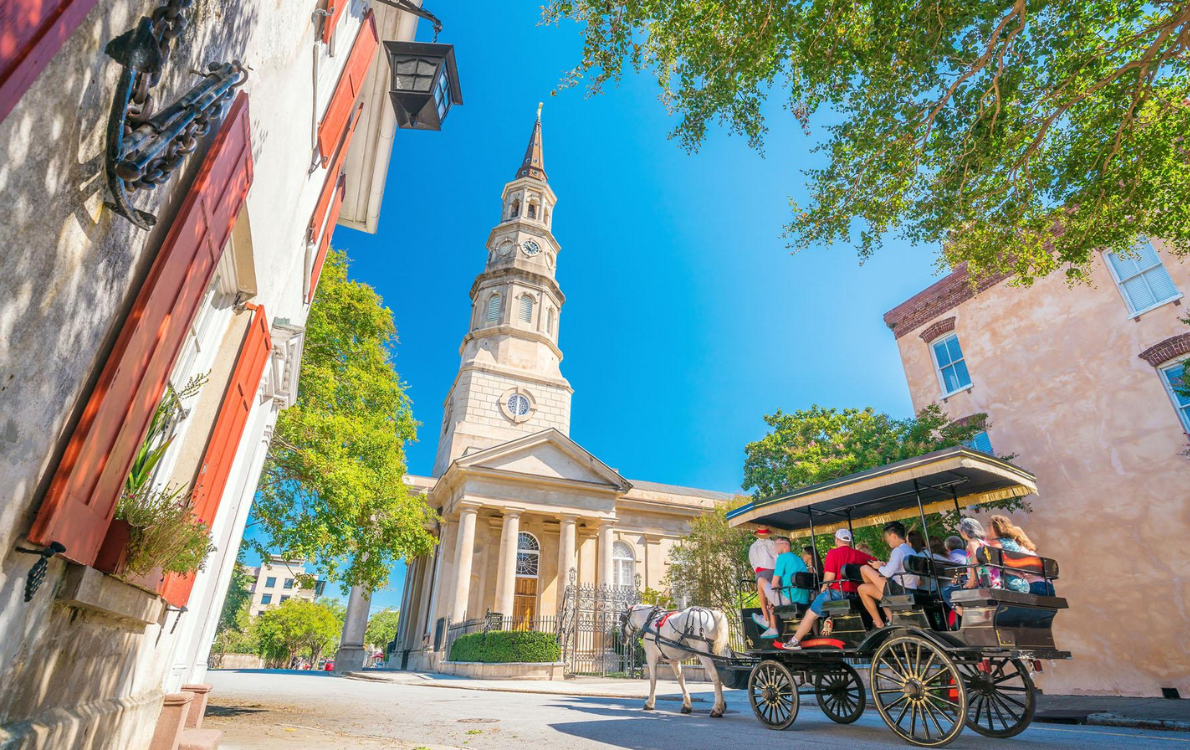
(503, 646)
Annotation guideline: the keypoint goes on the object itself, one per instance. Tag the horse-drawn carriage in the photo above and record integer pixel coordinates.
(930, 673)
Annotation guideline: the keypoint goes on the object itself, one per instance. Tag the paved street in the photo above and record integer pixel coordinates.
(270, 711)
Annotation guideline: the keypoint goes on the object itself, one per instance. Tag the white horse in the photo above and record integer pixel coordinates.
(701, 633)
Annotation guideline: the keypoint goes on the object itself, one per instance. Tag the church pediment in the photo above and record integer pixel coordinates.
(548, 454)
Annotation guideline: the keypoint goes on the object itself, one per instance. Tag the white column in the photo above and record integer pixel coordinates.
(352, 653)
(506, 578)
(606, 575)
(464, 551)
(566, 561)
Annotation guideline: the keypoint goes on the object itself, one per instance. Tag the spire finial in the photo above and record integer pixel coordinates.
(539, 111)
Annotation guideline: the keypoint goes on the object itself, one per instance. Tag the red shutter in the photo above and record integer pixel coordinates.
(225, 439)
(351, 80)
(31, 33)
(81, 500)
(334, 9)
(332, 180)
(320, 258)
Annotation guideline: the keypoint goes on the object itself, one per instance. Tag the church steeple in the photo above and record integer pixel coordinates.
(510, 383)
(533, 165)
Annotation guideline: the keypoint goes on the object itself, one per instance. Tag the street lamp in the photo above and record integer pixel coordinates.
(425, 83)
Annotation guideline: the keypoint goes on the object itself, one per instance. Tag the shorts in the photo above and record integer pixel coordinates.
(1041, 588)
(777, 598)
(765, 573)
(830, 595)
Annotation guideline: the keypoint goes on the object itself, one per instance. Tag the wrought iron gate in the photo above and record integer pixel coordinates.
(589, 630)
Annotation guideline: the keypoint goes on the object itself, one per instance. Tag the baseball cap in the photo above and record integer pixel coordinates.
(761, 531)
(843, 535)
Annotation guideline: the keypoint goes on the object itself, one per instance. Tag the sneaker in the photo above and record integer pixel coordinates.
(790, 645)
(760, 621)
(770, 633)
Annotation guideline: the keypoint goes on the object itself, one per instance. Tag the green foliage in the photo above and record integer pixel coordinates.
(296, 627)
(813, 445)
(238, 601)
(709, 562)
(332, 489)
(1023, 136)
(164, 531)
(382, 627)
(658, 598)
(160, 434)
(504, 646)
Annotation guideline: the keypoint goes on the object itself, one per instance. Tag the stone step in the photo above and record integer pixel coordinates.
(200, 739)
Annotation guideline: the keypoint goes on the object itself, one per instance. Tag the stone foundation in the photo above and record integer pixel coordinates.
(518, 670)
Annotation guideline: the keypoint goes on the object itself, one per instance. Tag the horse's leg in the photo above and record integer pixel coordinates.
(651, 654)
(720, 704)
(686, 707)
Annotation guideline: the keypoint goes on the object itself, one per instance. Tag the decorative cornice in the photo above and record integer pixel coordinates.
(944, 295)
(946, 325)
(1174, 346)
(521, 273)
(511, 330)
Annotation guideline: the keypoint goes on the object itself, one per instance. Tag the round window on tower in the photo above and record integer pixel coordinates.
(517, 405)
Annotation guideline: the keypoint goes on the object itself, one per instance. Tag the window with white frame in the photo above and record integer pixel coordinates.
(528, 555)
(1174, 378)
(623, 565)
(981, 442)
(494, 308)
(950, 363)
(549, 321)
(526, 309)
(1143, 281)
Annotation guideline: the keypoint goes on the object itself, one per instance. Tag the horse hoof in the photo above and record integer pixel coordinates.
(648, 708)
(716, 714)
(687, 710)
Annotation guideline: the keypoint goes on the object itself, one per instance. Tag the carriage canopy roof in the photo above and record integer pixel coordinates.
(944, 478)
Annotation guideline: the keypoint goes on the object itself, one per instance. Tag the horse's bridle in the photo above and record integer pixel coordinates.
(627, 630)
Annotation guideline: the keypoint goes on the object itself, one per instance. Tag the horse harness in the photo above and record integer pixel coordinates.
(658, 616)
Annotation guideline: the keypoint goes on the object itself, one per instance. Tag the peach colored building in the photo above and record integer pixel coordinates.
(1076, 383)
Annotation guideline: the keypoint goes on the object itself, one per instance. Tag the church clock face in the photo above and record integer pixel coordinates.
(531, 248)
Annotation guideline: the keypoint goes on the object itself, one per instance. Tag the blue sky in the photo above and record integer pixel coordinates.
(686, 318)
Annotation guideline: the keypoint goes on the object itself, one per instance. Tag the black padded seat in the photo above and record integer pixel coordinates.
(992, 597)
(797, 610)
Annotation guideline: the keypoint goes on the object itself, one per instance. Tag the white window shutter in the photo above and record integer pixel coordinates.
(526, 309)
(494, 308)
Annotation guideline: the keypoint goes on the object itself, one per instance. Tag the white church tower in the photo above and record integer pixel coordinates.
(509, 382)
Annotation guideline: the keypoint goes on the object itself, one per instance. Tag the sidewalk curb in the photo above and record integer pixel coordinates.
(1117, 720)
(484, 689)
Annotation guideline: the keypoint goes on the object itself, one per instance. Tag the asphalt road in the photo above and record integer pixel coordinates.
(268, 711)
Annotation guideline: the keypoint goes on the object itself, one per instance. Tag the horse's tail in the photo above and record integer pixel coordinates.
(722, 643)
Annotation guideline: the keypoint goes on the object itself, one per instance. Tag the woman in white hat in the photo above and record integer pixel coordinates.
(762, 556)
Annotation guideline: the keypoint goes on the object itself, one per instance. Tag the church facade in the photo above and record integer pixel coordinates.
(520, 502)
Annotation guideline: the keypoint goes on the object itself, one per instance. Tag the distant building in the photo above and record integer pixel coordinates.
(1078, 384)
(277, 581)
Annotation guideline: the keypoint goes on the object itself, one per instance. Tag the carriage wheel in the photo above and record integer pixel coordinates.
(773, 694)
(840, 694)
(919, 691)
(1002, 699)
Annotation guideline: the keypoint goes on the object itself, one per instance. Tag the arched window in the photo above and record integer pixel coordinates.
(526, 309)
(623, 565)
(532, 210)
(515, 209)
(549, 321)
(528, 555)
(494, 308)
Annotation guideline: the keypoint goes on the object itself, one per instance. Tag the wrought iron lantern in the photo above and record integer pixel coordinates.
(425, 83)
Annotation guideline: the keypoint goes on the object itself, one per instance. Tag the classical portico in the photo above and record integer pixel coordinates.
(521, 504)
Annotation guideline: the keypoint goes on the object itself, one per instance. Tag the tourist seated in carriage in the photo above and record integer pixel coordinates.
(1008, 536)
(877, 576)
(834, 587)
(783, 592)
(956, 550)
(762, 556)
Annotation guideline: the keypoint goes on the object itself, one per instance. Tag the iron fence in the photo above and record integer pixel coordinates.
(589, 630)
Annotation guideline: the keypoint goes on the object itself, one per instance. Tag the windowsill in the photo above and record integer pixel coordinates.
(87, 588)
(960, 390)
(1176, 299)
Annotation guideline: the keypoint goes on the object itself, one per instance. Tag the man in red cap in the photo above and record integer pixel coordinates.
(762, 556)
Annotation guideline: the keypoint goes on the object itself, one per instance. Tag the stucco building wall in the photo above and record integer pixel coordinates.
(1056, 368)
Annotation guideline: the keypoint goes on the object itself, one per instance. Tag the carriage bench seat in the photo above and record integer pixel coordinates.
(908, 599)
(794, 611)
(840, 607)
(992, 597)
